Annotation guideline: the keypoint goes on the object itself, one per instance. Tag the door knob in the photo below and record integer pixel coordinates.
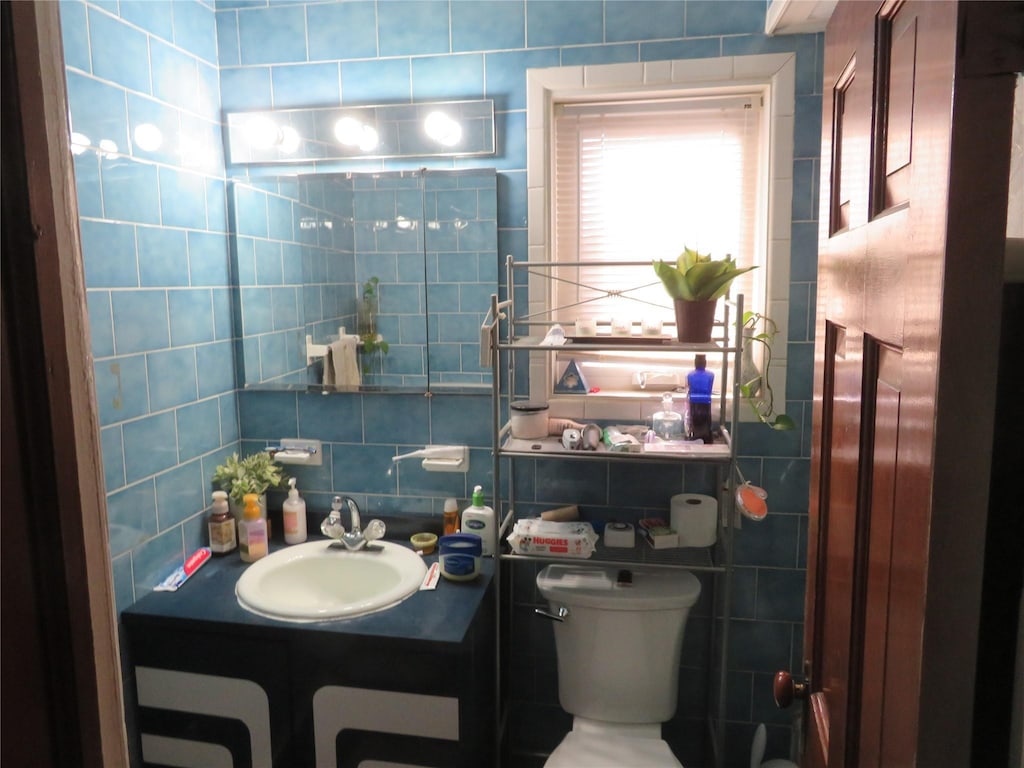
(786, 689)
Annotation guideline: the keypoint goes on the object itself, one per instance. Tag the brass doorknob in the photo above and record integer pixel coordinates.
(786, 689)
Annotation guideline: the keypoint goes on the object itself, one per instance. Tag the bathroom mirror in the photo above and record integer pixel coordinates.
(402, 263)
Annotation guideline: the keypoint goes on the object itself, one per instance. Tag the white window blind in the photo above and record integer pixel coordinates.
(638, 181)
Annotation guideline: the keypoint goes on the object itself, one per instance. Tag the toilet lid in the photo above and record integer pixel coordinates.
(597, 751)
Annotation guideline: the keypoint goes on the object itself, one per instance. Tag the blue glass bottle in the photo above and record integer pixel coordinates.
(699, 383)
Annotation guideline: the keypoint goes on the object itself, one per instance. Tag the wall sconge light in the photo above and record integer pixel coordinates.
(148, 137)
(442, 129)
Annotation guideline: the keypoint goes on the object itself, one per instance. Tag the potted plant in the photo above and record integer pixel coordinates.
(366, 319)
(696, 282)
(254, 474)
(755, 386)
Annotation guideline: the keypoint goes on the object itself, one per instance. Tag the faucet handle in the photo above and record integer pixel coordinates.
(332, 527)
(375, 529)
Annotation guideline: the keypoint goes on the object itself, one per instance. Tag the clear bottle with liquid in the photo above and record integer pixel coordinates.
(668, 423)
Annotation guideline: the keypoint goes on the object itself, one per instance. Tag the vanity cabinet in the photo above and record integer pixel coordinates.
(509, 353)
(210, 685)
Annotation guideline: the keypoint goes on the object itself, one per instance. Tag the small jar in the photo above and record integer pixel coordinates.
(221, 526)
(529, 420)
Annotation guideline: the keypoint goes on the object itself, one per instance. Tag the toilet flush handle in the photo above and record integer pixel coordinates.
(557, 616)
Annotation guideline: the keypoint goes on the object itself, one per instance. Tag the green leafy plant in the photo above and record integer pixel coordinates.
(698, 277)
(756, 388)
(253, 474)
(370, 340)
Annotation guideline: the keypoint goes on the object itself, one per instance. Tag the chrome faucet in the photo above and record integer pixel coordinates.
(356, 538)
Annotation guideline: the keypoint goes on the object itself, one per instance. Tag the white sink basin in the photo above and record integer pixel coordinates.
(318, 582)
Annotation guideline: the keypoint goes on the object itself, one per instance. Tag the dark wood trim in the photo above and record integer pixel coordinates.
(56, 432)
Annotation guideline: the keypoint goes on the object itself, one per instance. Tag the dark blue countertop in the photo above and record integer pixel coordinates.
(443, 615)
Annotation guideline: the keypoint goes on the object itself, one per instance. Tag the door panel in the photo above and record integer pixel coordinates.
(915, 160)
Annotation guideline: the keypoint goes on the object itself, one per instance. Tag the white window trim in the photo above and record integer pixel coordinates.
(774, 75)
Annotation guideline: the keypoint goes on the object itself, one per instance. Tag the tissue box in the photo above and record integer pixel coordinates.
(658, 534)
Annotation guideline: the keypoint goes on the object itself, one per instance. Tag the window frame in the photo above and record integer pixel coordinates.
(773, 75)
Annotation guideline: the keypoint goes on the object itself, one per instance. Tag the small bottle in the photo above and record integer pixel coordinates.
(223, 538)
(451, 516)
(667, 423)
(699, 383)
(252, 531)
(480, 520)
(294, 512)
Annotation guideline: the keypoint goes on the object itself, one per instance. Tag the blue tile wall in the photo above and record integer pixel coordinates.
(156, 264)
(154, 233)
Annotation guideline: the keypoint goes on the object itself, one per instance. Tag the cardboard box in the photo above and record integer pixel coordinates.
(658, 534)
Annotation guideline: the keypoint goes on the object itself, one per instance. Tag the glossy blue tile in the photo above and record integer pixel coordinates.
(145, 114)
(140, 321)
(195, 30)
(208, 259)
(75, 35)
(771, 543)
(569, 482)
(701, 48)
(149, 446)
(101, 323)
(286, 308)
(130, 190)
(412, 27)
(273, 362)
(227, 38)
(120, 53)
(97, 110)
(780, 594)
(223, 318)
(154, 560)
(803, 259)
(121, 391)
(712, 17)
(87, 185)
(215, 368)
(245, 88)
(448, 77)
(272, 35)
(131, 516)
(807, 126)
(216, 206)
(635, 485)
(512, 199)
(152, 15)
(198, 429)
(342, 27)
(229, 427)
(510, 140)
(801, 313)
(506, 75)
(175, 76)
(257, 311)
(396, 419)
(548, 23)
(643, 19)
(304, 85)
(172, 377)
(191, 314)
(163, 257)
(363, 468)
(267, 415)
(113, 458)
(179, 494)
(487, 26)
(182, 199)
(800, 371)
(758, 646)
(267, 262)
(373, 82)
(600, 54)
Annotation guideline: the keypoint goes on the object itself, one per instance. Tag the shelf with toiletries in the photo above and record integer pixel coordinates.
(533, 342)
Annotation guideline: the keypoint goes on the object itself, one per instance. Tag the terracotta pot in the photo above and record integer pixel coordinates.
(694, 320)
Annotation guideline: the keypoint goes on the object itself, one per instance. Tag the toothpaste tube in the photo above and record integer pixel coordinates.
(180, 574)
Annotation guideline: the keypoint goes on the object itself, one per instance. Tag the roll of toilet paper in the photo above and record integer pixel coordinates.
(695, 518)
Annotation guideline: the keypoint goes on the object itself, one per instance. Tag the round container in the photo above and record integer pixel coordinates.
(423, 542)
(529, 420)
(460, 556)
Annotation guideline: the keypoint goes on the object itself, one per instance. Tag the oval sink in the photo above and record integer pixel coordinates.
(319, 582)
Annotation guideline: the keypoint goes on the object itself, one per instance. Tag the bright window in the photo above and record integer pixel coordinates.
(632, 163)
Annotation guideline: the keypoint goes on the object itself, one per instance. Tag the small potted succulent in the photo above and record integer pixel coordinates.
(696, 282)
(256, 473)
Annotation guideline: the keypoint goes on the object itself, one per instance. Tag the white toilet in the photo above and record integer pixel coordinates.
(618, 647)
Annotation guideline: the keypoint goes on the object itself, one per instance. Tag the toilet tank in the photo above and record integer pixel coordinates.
(619, 646)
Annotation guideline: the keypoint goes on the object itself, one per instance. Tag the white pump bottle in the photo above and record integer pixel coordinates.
(294, 511)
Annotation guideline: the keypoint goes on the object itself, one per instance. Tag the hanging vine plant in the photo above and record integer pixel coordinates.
(756, 388)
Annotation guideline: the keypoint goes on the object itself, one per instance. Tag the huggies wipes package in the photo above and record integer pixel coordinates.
(544, 537)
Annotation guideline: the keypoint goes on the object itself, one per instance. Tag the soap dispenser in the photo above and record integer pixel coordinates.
(294, 511)
(479, 519)
(252, 531)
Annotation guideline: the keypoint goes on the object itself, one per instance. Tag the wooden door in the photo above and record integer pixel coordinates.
(915, 155)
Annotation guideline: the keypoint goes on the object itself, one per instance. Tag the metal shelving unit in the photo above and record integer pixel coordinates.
(500, 348)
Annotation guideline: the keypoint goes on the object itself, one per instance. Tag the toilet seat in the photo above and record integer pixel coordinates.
(611, 751)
